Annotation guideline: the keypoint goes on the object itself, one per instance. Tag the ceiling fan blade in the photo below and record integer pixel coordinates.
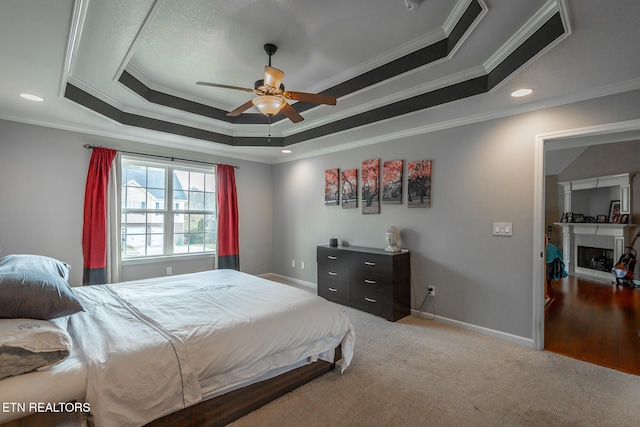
(314, 98)
(240, 109)
(273, 77)
(246, 89)
(291, 114)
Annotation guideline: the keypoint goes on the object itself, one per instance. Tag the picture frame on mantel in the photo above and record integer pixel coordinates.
(614, 212)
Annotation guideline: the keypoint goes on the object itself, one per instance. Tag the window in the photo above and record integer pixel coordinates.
(166, 209)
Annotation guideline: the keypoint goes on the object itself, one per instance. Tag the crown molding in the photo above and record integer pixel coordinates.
(157, 4)
(139, 75)
(524, 33)
(596, 93)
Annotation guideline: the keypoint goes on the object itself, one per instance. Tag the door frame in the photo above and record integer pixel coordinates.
(578, 137)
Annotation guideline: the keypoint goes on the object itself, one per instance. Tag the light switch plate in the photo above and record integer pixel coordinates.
(502, 229)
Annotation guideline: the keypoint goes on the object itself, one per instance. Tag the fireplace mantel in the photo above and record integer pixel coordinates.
(594, 197)
(605, 229)
(572, 234)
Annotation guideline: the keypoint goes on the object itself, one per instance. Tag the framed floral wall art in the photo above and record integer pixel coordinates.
(349, 189)
(392, 182)
(419, 183)
(331, 185)
(371, 186)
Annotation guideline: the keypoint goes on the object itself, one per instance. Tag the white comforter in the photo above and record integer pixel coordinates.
(152, 345)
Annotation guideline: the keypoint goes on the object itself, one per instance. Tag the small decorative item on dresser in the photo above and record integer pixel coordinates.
(393, 239)
(333, 243)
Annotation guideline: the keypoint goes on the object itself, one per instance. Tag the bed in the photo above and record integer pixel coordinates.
(173, 348)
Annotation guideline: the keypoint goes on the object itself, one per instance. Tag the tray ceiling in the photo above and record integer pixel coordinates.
(130, 67)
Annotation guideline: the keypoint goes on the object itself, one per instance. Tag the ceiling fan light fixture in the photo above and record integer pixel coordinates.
(268, 105)
(273, 77)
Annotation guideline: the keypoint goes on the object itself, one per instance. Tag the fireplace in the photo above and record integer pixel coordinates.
(598, 259)
(591, 248)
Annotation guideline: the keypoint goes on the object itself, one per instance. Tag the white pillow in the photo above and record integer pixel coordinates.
(30, 344)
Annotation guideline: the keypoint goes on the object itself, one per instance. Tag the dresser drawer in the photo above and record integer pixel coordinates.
(334, 291)
(333, 257)
(371, 301)
(375, 263)
(333, 283)
(333, 274)
(368, 281)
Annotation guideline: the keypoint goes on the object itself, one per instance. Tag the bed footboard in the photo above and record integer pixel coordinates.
(229, 407)
(218, 411)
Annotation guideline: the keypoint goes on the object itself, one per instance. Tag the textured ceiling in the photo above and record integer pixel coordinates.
(128, 69)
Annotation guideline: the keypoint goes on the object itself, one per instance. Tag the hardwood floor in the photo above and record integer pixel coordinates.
(595, 322)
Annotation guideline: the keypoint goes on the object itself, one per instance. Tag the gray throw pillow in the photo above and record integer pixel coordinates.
(40, 263)
(35, 288)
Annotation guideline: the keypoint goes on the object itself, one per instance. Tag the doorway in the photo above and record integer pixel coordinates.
(545, 143)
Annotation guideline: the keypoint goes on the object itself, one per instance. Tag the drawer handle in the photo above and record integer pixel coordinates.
(332, 257)
(371, 282)
(333, 289)
(331, 273)
(369, 263)
(369, 299)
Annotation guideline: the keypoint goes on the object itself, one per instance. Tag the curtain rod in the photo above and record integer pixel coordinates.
(91, 147)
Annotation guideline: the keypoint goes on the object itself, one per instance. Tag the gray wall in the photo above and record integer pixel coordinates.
(482, 173)
(42, 178)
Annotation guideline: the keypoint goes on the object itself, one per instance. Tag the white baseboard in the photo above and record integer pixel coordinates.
(277, 277)
(525, 342)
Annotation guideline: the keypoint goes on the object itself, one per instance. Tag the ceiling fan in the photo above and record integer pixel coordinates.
(271, 95)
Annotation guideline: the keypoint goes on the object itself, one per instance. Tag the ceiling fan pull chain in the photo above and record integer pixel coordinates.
(269, 138)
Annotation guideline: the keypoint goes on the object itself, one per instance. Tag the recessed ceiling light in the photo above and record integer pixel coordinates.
(286, 151)
(31, 97)
(521, 92)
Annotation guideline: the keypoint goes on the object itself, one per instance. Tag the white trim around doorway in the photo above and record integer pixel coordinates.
(593, 135)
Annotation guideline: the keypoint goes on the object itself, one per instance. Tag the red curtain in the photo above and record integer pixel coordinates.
(94, 228)
(228, 247)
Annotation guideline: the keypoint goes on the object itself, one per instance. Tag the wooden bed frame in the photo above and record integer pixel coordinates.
(218, 411)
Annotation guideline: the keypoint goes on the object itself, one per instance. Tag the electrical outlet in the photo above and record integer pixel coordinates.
(293, 263)
(431, 290)
(302, 265)
(169, 271)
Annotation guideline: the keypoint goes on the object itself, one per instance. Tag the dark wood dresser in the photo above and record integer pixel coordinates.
(368, 279)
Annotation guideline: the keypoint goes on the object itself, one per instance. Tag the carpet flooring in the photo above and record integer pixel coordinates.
(418, 372)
